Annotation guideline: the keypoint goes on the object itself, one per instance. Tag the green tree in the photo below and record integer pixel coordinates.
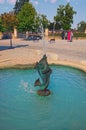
(41, 20)
(26, 17)
(50, 26)
(18, 5)
(54, 25)
(2, 29)
(0, 25)
(9, 20)
(82, 26)
(64, 16)
(44, 21)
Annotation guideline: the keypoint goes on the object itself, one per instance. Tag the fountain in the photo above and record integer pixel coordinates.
(44, 71)
(21, 108)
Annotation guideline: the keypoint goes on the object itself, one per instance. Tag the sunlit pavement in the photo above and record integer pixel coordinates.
(29, 52)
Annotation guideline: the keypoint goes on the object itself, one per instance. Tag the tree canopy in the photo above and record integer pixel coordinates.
(41, 20)
(9, 20)
(81, 26)
(18, 5)
(64, 16)
(0, 24)
(26, 17)
(44, 21)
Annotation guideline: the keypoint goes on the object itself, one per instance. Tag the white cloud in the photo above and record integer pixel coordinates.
(68, 0)
(8, 1)
(36, 2)
(53, 1)
(1, 1)
(11, 1)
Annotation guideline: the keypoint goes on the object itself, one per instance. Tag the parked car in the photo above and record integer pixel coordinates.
(6, 35)
(34, 37)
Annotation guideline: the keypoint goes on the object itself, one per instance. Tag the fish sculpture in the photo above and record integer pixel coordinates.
(44, 72)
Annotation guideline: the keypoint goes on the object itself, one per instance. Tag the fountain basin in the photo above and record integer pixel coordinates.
(22, 108)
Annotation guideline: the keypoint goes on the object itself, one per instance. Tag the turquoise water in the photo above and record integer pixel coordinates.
(22, 109)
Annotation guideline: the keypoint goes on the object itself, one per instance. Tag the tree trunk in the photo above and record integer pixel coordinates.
(10, 40)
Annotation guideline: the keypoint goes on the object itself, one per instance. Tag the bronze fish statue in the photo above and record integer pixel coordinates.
(44, 72)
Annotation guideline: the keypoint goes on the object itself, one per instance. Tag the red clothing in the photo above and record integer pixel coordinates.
(69, 36)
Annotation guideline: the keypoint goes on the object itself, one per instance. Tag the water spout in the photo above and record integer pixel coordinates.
(43, 40)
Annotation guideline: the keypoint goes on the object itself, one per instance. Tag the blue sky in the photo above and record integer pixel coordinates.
(49, 8)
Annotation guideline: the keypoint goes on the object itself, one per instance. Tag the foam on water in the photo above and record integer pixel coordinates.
(26, 86)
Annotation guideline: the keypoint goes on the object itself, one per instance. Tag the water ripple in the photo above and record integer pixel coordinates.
(20, 106)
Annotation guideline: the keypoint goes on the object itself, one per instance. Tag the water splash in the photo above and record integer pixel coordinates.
(26, 86)
(43, 40)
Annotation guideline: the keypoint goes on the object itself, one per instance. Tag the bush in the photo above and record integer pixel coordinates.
(80, 34)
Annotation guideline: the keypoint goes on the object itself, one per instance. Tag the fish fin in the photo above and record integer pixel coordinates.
(37, 82)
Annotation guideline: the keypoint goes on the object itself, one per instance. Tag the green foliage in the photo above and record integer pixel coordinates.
(9, 20)
(82, 26)
(50, 26)
(0, 25)
(75, 34)
(18, 5)
(44, 21)
(64, 16)
(26, 17)
(41, 19)
(54, 26)
(79, 34)
(2, 29)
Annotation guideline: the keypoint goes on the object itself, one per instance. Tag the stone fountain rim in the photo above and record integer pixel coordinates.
(59, 63)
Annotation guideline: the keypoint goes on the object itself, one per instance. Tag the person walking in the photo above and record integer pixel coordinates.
(69, 36)
(63, 34)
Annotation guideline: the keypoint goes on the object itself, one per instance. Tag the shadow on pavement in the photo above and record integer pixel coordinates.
(13, 47)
